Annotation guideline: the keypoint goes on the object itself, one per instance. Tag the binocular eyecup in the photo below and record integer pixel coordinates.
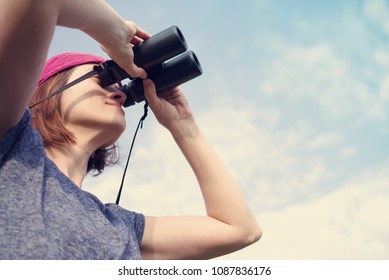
(164, 57)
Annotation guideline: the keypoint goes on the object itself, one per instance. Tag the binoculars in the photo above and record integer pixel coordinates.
(164, 57)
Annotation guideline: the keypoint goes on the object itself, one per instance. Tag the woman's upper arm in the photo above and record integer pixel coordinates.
(26, 28)
(190, 237)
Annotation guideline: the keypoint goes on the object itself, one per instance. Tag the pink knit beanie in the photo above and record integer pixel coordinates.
(65, 61)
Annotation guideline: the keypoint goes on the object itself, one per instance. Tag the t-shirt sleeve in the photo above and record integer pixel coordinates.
(133, 220)
(10, 138)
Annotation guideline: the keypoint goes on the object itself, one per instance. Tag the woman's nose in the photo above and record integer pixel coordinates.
(118, 96)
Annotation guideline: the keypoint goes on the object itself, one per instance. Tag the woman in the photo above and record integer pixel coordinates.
(44, 214)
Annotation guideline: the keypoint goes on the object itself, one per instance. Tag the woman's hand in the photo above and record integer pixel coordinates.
(171, 109)
(115, 35)
(123, 54)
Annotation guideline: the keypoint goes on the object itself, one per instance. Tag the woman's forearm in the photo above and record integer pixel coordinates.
(223, 199)
(98, 20)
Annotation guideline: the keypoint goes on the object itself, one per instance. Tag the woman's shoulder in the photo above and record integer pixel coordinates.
(20, 141)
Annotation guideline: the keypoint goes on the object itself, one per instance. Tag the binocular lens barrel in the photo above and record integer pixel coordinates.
(166, 60)
(159, 48)
(165, 76)
(176, 71)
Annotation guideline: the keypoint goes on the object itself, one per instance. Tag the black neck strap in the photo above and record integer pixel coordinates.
(140, 125)
(76, 81)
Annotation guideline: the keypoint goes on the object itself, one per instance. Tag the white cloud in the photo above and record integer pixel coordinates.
(313, 72)
(378, 11)
(349, 223)
(321, 74)
(381, 56)
(324, 140)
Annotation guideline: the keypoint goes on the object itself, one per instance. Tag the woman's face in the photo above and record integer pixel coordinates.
(89, 110)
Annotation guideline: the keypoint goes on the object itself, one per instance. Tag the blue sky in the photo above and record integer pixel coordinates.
(295, 99)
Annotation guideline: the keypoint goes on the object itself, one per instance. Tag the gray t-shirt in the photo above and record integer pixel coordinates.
(44, 215)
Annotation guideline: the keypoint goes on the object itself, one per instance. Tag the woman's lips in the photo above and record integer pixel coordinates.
(117, 105)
